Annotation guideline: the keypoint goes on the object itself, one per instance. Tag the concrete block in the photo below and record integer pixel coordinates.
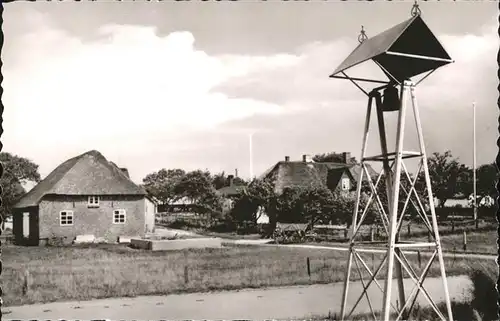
(126, 239)
(141, 244)
(172, 245)
(84, 239)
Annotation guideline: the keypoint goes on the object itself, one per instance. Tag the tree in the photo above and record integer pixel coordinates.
(17, 172)
(258, 195)
(445, 173)
(197, 186)
(332, 158)
(220, 180)
(317, 204)
(289, 205)
(343, 208)
(163, 184)
(486, 177)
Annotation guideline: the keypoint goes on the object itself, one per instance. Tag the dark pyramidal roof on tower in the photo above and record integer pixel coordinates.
(411, 37)
(87, 174)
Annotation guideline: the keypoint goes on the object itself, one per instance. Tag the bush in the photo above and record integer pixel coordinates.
(484, 293)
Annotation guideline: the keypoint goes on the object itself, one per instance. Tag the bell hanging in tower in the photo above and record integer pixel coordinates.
(391, 101)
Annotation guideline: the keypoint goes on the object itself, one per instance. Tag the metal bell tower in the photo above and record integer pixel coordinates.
(402, 52)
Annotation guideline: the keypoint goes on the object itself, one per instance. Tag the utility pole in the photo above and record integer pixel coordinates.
(474, 162)
(251, 155)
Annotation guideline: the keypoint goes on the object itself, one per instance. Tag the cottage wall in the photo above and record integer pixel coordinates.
(97, 221)
(150, 215)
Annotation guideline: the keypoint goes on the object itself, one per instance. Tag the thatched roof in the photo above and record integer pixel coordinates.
(301, 174)
(87, 174)
(231, 190)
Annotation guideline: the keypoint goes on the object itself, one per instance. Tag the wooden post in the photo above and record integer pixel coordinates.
(345, 233)
(452, 226)
(308, 267)
(465, 241)
(372, 234)
(26, 284)
(409, 229)
(419, 259)
(186, 274)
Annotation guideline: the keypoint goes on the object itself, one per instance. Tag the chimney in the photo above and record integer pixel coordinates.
(125, 171)
(306, 158)
(287, 159)
(346, 157)
(230, 179)
(235, 172)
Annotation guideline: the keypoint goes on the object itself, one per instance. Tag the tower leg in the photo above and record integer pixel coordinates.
(431, 202)
(356, 210)
(393, 206)
(389, 188)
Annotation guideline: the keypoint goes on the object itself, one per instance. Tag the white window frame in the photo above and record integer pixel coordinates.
(346, 186)
(93, 201)
(118, 212)
(68, 214)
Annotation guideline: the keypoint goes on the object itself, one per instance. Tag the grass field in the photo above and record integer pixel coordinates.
(99, 271)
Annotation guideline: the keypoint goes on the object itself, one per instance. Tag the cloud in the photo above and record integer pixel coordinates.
(155, 101)
(129, 82)
(445, 97)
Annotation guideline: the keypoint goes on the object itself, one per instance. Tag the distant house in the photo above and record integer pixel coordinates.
(85, 195)
(228, 192)
(181, 205)
(341, 176)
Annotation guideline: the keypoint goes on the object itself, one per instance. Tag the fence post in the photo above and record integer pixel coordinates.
(419, 259)
(409, 228)
(186, 274)
(345, 233)
(372, 234)
(452, 226)
(308, 267)
(26, 284)
(465, 241)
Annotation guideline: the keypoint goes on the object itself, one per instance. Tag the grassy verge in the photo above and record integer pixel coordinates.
(99, 271)
(482, 307)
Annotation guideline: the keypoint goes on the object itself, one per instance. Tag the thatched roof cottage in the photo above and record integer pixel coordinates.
(335, 176)
(85, 195)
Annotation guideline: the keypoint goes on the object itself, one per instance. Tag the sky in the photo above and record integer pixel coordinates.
(156, 85)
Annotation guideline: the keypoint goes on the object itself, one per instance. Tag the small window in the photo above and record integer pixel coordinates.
(66, 218)
(119, 216)
(346, 184)
(93, 201)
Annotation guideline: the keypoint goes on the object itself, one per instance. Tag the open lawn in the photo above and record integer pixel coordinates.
(99, 271)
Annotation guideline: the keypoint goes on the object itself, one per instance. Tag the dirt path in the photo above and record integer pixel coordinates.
(285, 302)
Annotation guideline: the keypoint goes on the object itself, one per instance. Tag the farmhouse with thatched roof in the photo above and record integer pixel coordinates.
(85, 195)
(228, 192)
(340, 176)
